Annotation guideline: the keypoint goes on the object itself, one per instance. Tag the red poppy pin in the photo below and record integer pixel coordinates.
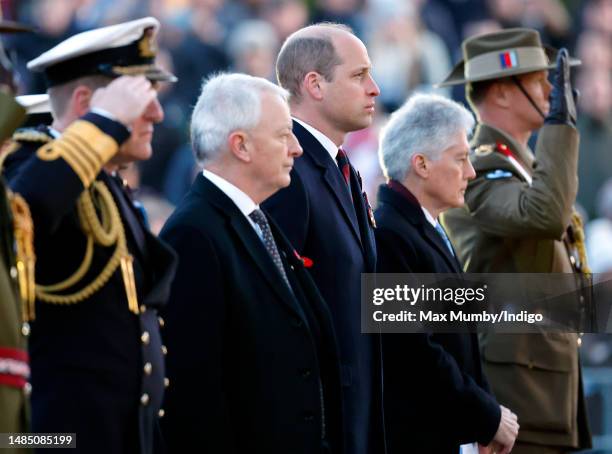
(305, 260)
(370, 212)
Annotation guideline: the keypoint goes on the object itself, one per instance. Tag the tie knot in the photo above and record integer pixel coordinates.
(258, 217)
(341, 156)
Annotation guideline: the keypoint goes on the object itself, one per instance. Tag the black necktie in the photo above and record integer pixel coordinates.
(259, 218)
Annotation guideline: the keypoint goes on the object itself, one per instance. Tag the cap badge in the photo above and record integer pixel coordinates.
(146, 46)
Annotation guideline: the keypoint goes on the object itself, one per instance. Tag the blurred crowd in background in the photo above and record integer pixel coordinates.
(412, 43)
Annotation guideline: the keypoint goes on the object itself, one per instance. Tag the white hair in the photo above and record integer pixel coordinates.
(227, 103)
(425, 124)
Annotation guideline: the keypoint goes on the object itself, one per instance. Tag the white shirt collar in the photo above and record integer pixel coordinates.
(245, 204)
(429, 217)
(325, 141)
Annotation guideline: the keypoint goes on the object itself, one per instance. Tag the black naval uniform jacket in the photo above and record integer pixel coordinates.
(436, 394)
(97, 368)
(247, 355)
(331, 226)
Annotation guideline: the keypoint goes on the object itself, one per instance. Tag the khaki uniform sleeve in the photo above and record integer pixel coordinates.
(512, 208)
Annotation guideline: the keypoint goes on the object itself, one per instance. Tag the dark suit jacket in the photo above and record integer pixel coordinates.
(245, 354)
(436, 396)
(88, 359)
(322, 223)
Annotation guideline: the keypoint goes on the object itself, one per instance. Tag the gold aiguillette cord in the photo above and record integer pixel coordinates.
(25, 258)
(127, 270)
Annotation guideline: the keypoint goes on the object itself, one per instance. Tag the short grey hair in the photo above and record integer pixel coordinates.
(227, 103)
(309, 49)
(60, 95)
(425, 124)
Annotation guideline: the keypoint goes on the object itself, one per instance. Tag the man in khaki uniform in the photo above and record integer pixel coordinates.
(519, 217)
(15, 236)
(14, 369)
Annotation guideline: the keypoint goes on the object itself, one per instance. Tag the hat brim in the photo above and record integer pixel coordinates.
(457, 75)
(160, 75)
(35, 104)
(7, 26)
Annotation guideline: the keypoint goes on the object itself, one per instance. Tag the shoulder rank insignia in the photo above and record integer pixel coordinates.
(498, 174)
(31, 135)
(484, 150)
(19, 137)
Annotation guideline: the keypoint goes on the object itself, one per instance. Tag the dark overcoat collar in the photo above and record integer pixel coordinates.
(331, 175)
(411, 211)
(248, 237)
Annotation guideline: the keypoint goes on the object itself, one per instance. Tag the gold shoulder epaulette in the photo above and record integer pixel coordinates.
(84, 146)
(19, 137)
(485, 149)
(31, 135)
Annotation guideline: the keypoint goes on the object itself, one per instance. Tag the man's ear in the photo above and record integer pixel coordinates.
(420, 165)
(239, 146)
(501, 94)
(80, 100)
(312, 85)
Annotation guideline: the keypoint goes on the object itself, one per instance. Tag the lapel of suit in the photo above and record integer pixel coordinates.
(249, 239)
(131, 219)
(413, 213)
(314, 300)
(331, 174)
(362, 208)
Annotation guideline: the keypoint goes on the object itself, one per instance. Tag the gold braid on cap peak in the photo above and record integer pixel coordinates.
(135, 70)
(106, 231)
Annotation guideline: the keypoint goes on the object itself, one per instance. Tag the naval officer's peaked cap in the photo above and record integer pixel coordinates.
(123, 49)
(35, 104)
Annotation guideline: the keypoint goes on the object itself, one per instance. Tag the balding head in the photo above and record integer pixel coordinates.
(309, 49)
